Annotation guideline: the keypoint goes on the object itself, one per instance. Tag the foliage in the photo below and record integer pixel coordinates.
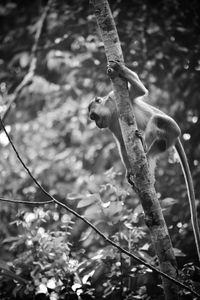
(54, 252)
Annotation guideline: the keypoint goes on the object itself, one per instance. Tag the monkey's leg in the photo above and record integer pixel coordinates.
(161, 133)
(159, 144)
(137, 87)
(157, 140)
(157, 147)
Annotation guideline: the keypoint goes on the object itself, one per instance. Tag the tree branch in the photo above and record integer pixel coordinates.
(90, 224)
(25, 202)
(142, 179)
(33, 62)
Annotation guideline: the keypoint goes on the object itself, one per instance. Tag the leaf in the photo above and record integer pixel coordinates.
(145, 247)
(74, 196)
(138, 211)
(178, 252)
(3, 264)
(168, 202)
(89, 200)
(93, 212)
(114, 208)
(144, 255)
(11, 239)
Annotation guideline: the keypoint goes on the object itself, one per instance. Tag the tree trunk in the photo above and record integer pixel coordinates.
(143, 181)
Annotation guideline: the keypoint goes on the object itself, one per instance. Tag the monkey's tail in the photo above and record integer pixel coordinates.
(190, 190)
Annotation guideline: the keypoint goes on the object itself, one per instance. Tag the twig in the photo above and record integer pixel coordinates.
(33, 62)
(55, 43)
(8, 273)
(90, 224)
(52, 45)
(25, 202)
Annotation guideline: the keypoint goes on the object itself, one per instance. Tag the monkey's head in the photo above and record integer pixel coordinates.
(103, 110)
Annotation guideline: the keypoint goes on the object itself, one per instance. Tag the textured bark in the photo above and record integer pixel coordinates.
(143, 181)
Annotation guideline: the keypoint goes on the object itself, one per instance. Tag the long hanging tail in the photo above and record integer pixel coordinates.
(190, 190)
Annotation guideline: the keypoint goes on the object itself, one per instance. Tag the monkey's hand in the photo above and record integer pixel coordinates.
(140, 135)
(114, 69)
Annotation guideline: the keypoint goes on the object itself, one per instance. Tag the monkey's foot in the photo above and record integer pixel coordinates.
(114, 68)
(128, 177)
(140, 135)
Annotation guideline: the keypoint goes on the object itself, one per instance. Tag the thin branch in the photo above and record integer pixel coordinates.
(52, 45)
(8, 273)
(25, 202)
(90, 224)
(33, 62)
(55, 43)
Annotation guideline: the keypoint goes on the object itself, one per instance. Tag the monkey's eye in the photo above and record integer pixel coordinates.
(98, 100)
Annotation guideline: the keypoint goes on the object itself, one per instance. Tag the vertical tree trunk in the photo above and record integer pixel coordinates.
(143, 181)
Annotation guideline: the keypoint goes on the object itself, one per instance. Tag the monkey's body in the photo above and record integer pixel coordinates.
(160, 131)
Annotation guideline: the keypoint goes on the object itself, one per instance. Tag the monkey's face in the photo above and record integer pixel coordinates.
(101, 110)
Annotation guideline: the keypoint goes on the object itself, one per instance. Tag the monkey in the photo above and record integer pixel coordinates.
(160, 131)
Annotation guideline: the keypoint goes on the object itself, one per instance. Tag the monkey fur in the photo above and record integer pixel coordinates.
(161, 132)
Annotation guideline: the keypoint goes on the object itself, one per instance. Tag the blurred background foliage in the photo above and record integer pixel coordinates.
(46, 253)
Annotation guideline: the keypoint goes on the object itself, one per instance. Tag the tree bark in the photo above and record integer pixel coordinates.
(143, 181)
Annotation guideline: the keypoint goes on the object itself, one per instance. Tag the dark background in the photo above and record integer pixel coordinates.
(78, 163)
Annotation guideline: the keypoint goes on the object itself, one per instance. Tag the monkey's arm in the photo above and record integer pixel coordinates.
(137, 87)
